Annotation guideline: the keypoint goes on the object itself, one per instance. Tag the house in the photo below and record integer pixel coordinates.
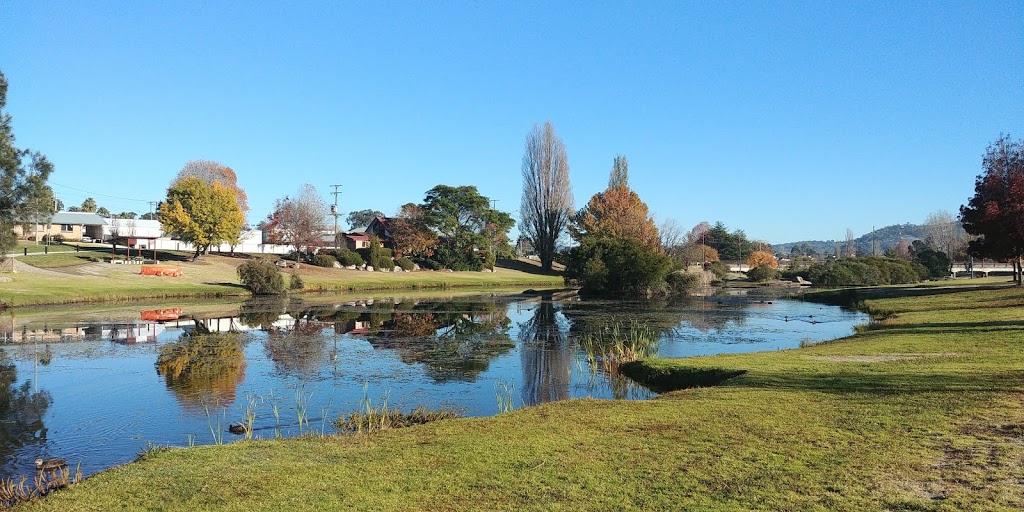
(71, 226)
(381, 228)
(140, 228)
(356, 240)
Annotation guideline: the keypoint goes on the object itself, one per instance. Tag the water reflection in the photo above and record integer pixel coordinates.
(21, 411)
(107, 401)
(454, 341)
(545, 355)
(203, 368)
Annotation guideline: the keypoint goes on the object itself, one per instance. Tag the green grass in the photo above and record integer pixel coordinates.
(72, 279)
(921, 412)
(21, 245)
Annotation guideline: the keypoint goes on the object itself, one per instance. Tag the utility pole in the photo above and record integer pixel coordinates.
(151, 205)
(335, 213)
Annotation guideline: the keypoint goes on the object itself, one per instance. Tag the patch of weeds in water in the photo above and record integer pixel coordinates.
(215, 420)
(17, 490)
(302, 406)
(617, 344)
(504, 393)
(370, 418)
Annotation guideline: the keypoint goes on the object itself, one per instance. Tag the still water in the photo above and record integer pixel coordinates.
(97, 387)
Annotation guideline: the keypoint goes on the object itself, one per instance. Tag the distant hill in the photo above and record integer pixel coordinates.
(885, 237)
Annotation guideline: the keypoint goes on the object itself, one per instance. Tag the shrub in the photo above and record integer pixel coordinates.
(936, 262)
(294, 256)
(718, 268)
(867, 271)
(295, 283)
(681, 282)
(380, 257)
(617, 266)
(763, 273)
(406, 264)
(348, 257)
(427, 263)
(261, 277)
(324, 260)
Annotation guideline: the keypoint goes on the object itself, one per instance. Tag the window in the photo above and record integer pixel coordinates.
(67, 228)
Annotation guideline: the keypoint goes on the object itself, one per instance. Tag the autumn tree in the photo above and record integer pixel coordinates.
(996, 212)
(211, 172)
(410, 233)
(24, 194)
(547, 195)
(361, 219)
(300, 221)
(762, 259)
(615, 213)
(201, 214)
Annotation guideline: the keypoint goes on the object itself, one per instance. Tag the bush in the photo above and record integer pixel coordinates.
(294, 256)
(867, 271)
(348, 258)
(763, 273)
(406, 264)
(380, 258)
(427, 263)
(681, 282)
(617, 266)
(324, 260)
(295, 283)
(936, 262)
(719, 269)
(261, 277)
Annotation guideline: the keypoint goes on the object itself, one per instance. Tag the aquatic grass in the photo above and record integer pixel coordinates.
(215, 421)
(380, 418)
(504, 393)
(16, 491)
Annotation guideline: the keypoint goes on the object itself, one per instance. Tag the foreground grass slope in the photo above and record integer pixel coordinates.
(69, 278)
(920, 412)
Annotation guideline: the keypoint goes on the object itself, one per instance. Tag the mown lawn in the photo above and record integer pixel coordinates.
(71, 278)
(920, 412)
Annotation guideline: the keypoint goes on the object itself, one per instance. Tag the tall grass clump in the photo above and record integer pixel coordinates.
(616, 344)
(504, 393)
(16, 491)
(370, 418)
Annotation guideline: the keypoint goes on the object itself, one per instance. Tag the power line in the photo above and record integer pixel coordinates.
(99, 194)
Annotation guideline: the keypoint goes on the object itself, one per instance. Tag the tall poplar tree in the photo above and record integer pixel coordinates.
(547, 201)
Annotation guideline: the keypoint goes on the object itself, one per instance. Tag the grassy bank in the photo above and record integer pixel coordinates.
(920, 412)
(65, 278)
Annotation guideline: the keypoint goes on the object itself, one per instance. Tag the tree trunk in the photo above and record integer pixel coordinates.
(1018, 271)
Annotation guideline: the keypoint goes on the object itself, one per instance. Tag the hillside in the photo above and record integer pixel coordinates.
(885, 237)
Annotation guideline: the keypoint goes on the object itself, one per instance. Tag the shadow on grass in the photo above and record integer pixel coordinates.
(662, 379)
(951, 327)
(852, 296)
(886, 383)
(525, 267)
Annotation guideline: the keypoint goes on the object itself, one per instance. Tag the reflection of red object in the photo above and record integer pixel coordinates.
(161, 314)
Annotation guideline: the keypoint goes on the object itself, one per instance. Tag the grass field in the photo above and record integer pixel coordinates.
(921, 411)
(71, 278)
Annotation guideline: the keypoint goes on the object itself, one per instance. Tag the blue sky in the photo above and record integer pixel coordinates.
(789, 120)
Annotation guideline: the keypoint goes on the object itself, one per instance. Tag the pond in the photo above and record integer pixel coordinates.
(99, 386)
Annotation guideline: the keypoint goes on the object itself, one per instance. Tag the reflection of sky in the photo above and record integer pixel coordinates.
(109, 402)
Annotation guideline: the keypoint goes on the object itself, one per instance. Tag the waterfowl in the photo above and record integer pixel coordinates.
(238, 428)
(51, 464)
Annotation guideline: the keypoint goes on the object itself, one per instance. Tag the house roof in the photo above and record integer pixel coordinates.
(358, 236)
(83, 218)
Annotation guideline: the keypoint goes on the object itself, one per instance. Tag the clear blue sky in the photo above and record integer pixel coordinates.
(789, 120)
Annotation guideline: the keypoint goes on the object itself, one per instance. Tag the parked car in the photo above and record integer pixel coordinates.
(86, 239)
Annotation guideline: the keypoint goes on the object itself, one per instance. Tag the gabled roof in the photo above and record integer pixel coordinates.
(83, 218)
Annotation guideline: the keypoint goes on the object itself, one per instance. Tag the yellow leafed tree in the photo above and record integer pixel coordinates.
(761, 259)
(201, 214)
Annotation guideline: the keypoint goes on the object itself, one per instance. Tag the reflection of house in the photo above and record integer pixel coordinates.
(70, 225)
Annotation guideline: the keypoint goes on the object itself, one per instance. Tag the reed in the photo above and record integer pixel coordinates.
(17, 490)
(379, 418)
(504, 393)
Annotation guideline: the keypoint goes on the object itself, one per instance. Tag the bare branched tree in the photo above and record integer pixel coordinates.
(210, 172)
(300, 221)
(547, 199)
(851, 245)
(619, 176)
(944, 233)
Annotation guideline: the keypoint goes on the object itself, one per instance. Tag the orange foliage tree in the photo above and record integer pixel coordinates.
(761, 259)
(617, 213)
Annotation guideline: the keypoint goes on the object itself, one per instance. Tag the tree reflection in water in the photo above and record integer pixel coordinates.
(21, 412)
(545, 354)
(455, 341)
(201, 368)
